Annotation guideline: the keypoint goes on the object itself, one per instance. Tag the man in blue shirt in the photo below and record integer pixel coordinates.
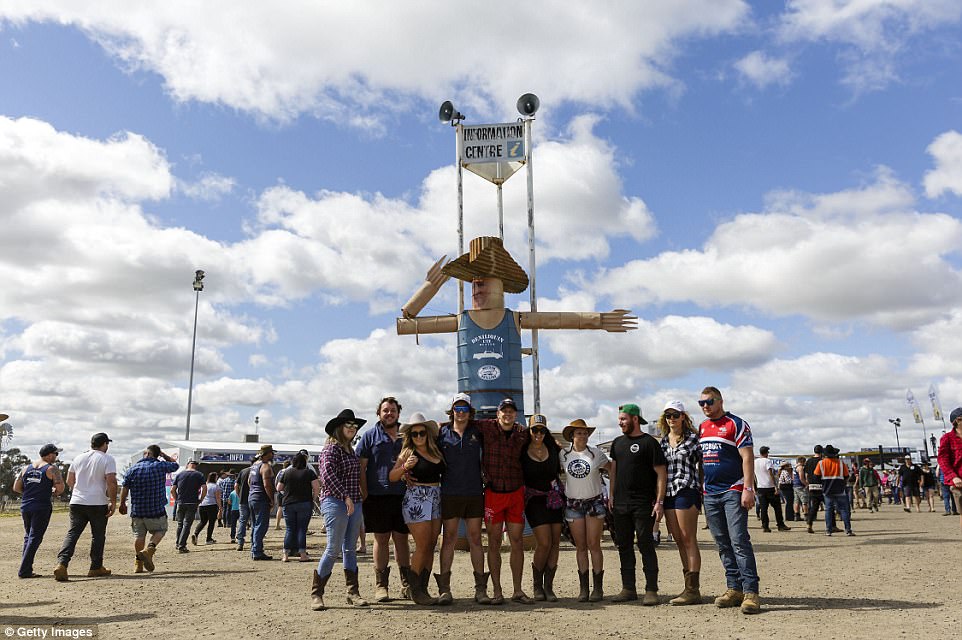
(462, 496)
(146, 482)
(378, 450)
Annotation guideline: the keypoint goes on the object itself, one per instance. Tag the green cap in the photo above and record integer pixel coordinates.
(632, 410)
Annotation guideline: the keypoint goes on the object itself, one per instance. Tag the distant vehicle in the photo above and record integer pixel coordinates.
(487, 354)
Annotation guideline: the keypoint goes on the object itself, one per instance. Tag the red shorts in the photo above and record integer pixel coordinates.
(504, 507)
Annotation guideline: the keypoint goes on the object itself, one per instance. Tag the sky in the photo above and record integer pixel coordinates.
(773, 188)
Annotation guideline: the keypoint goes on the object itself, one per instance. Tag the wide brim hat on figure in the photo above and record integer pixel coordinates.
(417, 419)
(345, 416)
(576, 424)
(488, 258)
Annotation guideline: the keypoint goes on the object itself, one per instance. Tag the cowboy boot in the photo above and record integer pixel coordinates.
(583, 581)
(406, 584)
(418, 592)
(444, 588)
(481, 588)
(549, 584)
(598, 593)
(692, 592)
(425, 578)
(317, 591)
(353, 591)
(537, 578)
(381, 577)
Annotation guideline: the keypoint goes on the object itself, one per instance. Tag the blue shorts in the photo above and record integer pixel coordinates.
(421, 504)
(684, 499)
(580, 509)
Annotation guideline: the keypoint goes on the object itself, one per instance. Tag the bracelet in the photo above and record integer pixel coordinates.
(749, 489)
(661, 502)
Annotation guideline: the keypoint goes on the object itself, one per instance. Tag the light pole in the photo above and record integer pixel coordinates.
(897, 422)
(198, 287)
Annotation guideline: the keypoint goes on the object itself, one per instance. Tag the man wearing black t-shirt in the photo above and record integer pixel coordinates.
(639, 475)
(814, 484)
(909, 479)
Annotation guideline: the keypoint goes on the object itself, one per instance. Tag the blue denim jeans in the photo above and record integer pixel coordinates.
(297, 516)
(728, 522)
(261, 518)
(245, 518)
(837, 503)
(34, 526)
(342, 533)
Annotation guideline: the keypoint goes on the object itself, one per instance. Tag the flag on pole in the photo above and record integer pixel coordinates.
(914, 406)
(936, 405)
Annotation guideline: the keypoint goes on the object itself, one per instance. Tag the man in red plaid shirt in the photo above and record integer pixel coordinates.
(503, 441)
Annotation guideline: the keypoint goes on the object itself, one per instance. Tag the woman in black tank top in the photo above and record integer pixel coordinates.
(422, 464)
(540, 467)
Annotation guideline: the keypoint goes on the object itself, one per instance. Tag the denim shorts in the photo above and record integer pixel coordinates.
(684, 499)
(580, 509)
(421, 504)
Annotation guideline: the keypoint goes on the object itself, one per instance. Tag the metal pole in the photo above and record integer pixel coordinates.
(457, 146)
(500, 185)
(925, 437)
(190, 385)
(535, 371)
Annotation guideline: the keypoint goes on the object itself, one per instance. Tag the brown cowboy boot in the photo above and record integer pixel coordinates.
(692, 592)
(381, 577)
(583, 581)
(317, 591)
(418, 593)
(481, 588)
(353, 591)
(406, 585)
(444, 588)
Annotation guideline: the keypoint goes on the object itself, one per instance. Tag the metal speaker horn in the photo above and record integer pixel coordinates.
(447, 112)
(528, 104)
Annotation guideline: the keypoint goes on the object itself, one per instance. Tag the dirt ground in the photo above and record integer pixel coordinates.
(898, 577)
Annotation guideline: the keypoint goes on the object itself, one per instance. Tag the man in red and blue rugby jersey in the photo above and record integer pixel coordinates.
(729, 464)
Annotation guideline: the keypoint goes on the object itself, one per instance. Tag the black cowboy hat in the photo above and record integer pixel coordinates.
(345, 416)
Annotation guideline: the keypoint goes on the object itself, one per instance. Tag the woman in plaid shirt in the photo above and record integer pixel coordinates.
(679, 443)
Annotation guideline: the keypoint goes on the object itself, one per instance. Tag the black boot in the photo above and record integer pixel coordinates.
(583, 581)
(598, 593)
(537, 579)
(549, 584)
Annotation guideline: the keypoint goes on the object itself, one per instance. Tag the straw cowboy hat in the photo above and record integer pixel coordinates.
(575, 424)
(418, 418)
(345, 416)
(488, 259)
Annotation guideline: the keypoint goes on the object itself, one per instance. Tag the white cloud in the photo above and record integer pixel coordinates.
(351, 62)
(946, 151)
(851, 255)
(873, 32)
(211, 187)
(762, 71)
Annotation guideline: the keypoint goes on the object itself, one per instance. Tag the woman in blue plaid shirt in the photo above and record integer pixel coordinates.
(679, 443)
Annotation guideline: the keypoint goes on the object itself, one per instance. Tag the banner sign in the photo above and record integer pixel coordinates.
(492, 143)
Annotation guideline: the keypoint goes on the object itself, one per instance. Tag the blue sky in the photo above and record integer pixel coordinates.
(773, 188)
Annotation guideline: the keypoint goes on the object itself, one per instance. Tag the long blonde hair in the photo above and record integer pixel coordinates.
(340, 439)
(686, 425)
(407, 444)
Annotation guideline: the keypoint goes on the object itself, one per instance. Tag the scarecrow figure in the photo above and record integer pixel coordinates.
(489, 335)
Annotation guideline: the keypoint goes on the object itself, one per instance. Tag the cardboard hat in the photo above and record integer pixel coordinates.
(417, 419)
(345, 416)
(578, 423)
(488, 258)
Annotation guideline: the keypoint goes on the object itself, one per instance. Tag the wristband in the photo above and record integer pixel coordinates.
(661, 502)
(749, 490)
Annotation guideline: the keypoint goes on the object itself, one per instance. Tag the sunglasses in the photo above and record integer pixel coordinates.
(460, 408)
(537, 431)
(419, 434)
(350, 425)
(706, 403)
(672, 415)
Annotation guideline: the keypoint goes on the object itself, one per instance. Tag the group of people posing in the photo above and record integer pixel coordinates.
(436, 482)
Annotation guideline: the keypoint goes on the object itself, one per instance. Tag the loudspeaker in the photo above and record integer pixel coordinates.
(528, 104)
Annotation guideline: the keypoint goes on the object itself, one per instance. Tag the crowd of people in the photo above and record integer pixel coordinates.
(438, 482)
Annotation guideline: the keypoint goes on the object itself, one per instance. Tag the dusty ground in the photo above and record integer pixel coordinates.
(890, 581)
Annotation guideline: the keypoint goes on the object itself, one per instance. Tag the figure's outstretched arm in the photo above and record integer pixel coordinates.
(429, 324)
(616, 321)
(432, 284)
